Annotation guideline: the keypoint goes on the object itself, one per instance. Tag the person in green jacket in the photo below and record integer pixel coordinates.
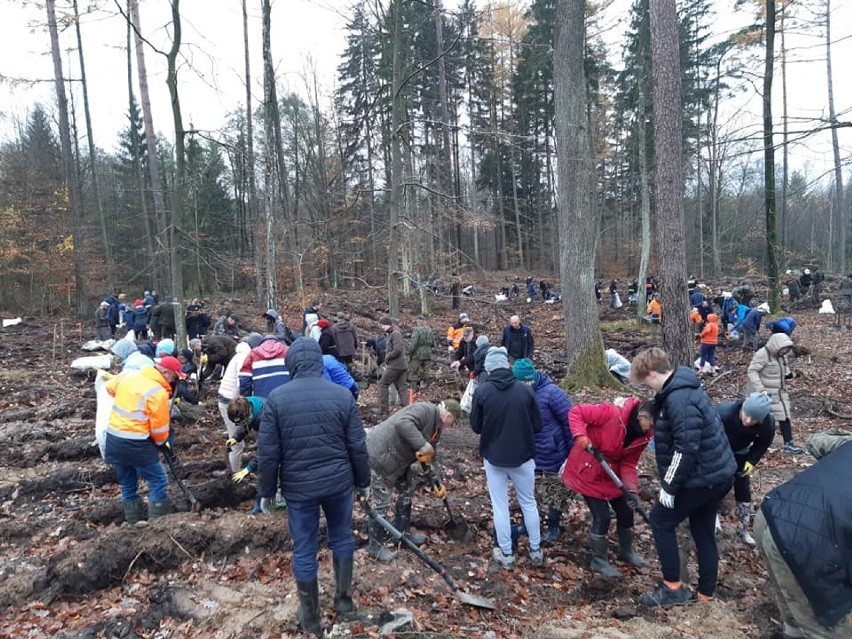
(420, 352)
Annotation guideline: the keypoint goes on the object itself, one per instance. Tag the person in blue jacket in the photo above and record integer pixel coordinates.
(784, 325)
(335, 371)
(749, 326)
(552, 443)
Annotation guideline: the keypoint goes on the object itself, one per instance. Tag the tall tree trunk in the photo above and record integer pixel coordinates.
(578, 216)
(645, 190)
(71, 183)
(785, 146)
(668, 180)
(253, 213)
(840, 217)
(90, 139)
(151, 146)
(396, 163)
(448, 180)
(769, 157)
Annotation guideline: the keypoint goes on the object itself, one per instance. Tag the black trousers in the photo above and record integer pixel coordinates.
(699, 506)
(601, 515)
(742, 484)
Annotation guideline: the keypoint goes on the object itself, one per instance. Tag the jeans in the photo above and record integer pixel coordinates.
(699, 506)
(601, 517)
(154, 474)
(304, 517)
(523, 479)
(708, 355)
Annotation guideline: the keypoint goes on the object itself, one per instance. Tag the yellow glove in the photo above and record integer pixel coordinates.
(231, 443)
(204, 359)
(239, 476)
(106, 376)
(439, 490)
(748, 469)
(425, 454)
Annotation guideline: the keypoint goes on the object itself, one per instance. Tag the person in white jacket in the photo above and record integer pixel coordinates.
(229, 389)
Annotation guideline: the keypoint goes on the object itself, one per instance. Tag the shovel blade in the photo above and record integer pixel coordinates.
(456, 530)
(475, 600)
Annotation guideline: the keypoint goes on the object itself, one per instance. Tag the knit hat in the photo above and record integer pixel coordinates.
(453, 407)
(524, 370)
(165, 347)
(323, 323)
(386, 321)
(763, 308)
(172, 364)
(186, 353)
(137, 303)
(482, 340)
(420, 318)
(254, 339)
(463, 318)
(497, 357)
(757, 406)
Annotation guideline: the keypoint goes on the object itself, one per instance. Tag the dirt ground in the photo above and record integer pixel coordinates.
(70, 568)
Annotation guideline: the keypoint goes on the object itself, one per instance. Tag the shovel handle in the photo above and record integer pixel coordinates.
(594, 452)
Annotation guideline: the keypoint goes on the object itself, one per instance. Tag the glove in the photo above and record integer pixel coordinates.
(204, 359)
(666, 498)
(455, 365)
(748, 469)
(230, 444)
(583, 442)
(632, 500)
(450, 348)
(362, 494)
(238, 476)
(106, 376)
(166, 445)
(266, 505)
(425, 454)
(439, 490)
(176, 402)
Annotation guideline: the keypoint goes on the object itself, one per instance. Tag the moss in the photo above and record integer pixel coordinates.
(589, 370)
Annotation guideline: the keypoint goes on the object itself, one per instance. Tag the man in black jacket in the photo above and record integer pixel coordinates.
(696, 469)
(312, 445)
(804, 528)
(506, 417)
(750, 428)
(518, 340)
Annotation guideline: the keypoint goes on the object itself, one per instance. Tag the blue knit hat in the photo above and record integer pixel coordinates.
(165, 347)
(757, 406)
(497, 357)
(524, 370)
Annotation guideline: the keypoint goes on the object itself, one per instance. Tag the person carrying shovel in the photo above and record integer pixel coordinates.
(409, 435)
(620, 433)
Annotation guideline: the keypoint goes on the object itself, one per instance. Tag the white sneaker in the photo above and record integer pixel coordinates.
(748, 539)
(537, 558)
(506, 562)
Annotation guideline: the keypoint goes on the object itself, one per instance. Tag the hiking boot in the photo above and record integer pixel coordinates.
(662, 595)
(600, 564)
(791, 449)
(625, 547)
(536, 557)
(744, 515)
(506, 562)
(159, 508)
(554, 515)
(308, 612)
(343, 603)
(402, 522)
(132, 510)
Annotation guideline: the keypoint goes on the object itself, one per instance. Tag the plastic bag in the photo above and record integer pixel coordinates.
(467, 399)
(104, 408)
(617, 303)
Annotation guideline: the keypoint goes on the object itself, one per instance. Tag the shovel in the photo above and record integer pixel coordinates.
(456, 529)
(594, 452)
(463, 597)
(194, 504)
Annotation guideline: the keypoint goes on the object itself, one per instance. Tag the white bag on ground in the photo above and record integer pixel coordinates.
(92, 361)
(11, 322)
(826, 308)
(97, 345)
(617, 303)
(617, 363)
(104, 408)
(467, 399)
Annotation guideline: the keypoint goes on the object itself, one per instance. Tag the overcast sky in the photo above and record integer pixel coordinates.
(307, 35)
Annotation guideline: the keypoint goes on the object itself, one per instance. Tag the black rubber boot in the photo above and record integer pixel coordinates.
(308, 613)
(625, 547)
(402, 522)
(159, 508)
(600, 564)
(132, 510)
(554, 516)
(376, 548)
(343, 603)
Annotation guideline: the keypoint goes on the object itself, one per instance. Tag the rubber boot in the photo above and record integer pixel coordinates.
(402, 522)
(744, 514)
(256, 510)
(308, 612)
(554, 515)
(625, 547)
(159, 508)
(132, 510)
(343, 603)
(599, 563)
(376, 548)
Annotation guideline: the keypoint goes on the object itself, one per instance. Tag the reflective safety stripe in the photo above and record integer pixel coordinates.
(162, 429)
(123, 434)
(138, 416)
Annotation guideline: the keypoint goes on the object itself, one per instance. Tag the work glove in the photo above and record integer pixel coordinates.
(666, 498)
(583, 442)
(238, 476)
(231, 443)
(748, 469)
(439, 490)
(266, 505)
(632, 500)
(425, 454)
(166, 445)
(362, 493)
(450, 348)
(455, 365)
(204, 359)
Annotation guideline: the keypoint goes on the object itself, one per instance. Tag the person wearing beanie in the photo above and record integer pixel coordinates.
(420, 352)
(217, 351)
(551, 444)
(326, 338)
(518, 340)
(128, 353)
(187, 362)
(165, 347)
(346, 340)
(482, 346)
(102, 321)
(409, 435)
(253, 339)
(621, 432)
(750, 427)
(464, 353)
(137, 321)
(396, 366)
(228, 325)
(505, 415)
(749, 325)
(456, 331)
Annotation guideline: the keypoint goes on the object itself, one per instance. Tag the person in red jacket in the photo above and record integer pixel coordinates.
(709, 339)
(620, 434)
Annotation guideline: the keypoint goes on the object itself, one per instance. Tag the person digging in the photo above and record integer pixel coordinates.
(409, 435)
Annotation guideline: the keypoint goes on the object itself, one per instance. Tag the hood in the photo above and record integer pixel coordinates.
(304, 358)
(712, 318)
(502, 378)
(123, 348)
(272, 313)
(271, 349)
(629, 404)
(776, 342)
(242, 347)
(541, 380)
(683, 377)
(311, 319)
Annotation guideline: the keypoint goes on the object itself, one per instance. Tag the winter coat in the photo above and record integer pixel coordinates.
(337, 373)
(393, 443)
(395, 358)
(138, 321)
(782, 325)
(223, 329)
(257, 405)
(102, 317)
(264, 369)
(464, 354)
(518, 342)
(326, 341)
(306, 320)
(751, 321)
(810, 518)
(506, 416)
(768, 372)
(112, 300)
(310, 320)
(696, 298)
(455, 333)
(606, 427)
(346, 339)
(154, 314)
(479, 362)
(167, 315)
(279, 327)
(710, 332)
(749, 441)
(421, 343)
(554, 440)
(692, 450)
(655, 308)
(219, 350)
(311, 441)
(229, 387)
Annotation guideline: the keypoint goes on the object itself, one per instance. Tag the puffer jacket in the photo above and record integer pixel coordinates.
(393, 443)
(690, 442)
(264, 369)
(311, 441)
(229, 387)
(768, 372)
(810, 518)
(506, 417)
(336, 372)
(606, 427)
(554, 441)
(346, 339)
(420, 346)
(131, 358)
(395, 358)
(750, 442)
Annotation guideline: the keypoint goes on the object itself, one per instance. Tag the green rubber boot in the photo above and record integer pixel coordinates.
(132, 510)
(308, 613)
(625, 547)
(600, 564)
(343, 603)
(159, 508)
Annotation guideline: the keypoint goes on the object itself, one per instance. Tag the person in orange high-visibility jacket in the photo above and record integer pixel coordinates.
(138, 426)
(456, 331)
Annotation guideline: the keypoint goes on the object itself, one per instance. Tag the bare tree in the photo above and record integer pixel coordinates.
(396, 163)
(252, 180)
(668, 180)
(839, 262)
(769, 157)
